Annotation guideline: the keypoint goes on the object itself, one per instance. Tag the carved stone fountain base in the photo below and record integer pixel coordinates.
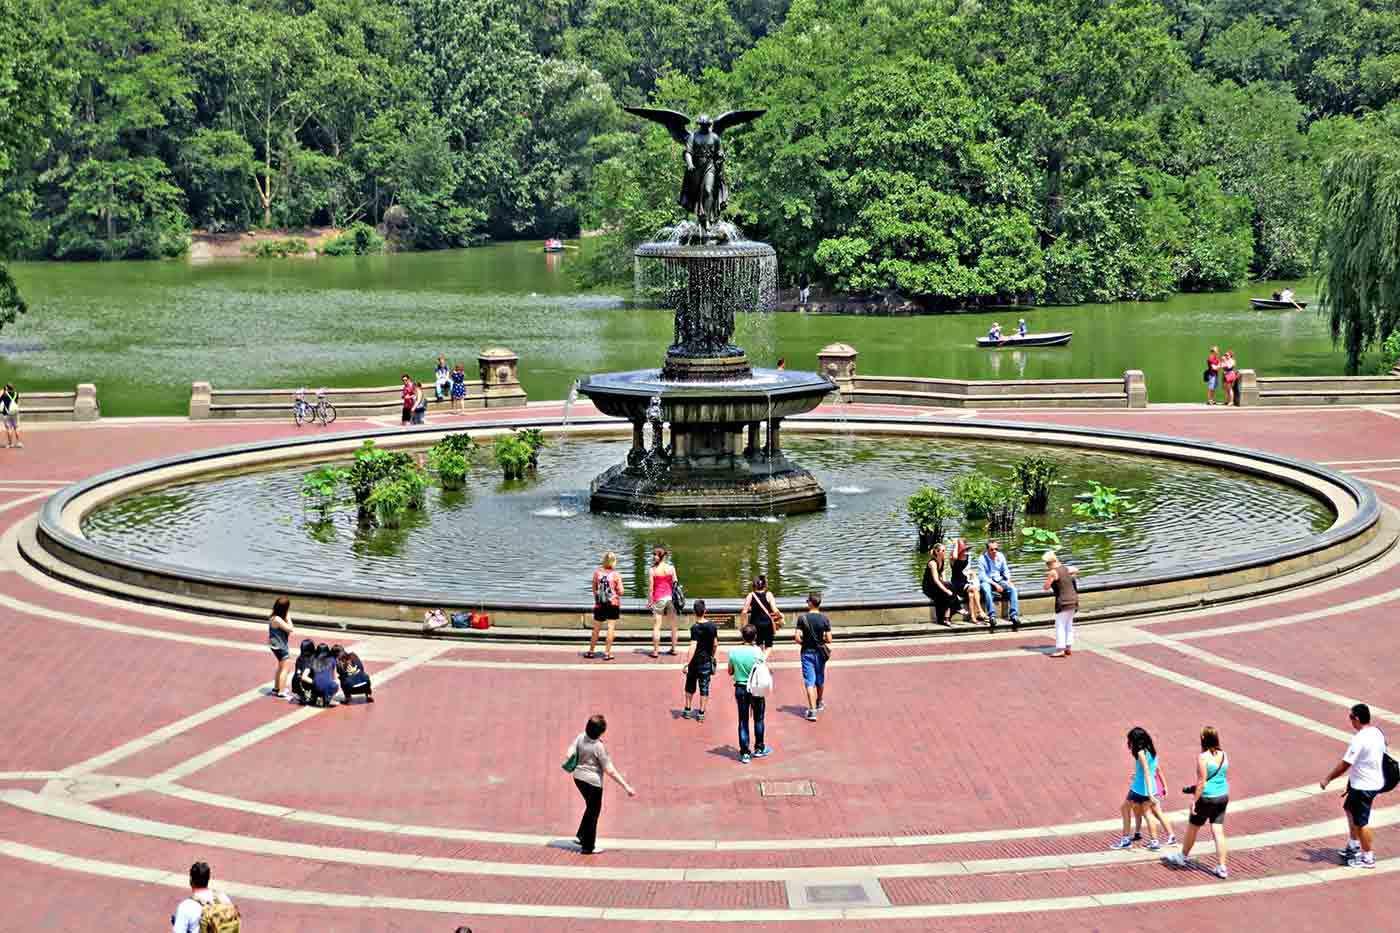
(751, 487)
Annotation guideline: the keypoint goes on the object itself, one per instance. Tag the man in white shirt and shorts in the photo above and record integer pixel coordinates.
(1365, 779)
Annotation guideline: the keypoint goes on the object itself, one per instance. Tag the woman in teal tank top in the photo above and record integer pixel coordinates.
(1141, 801)
(1212, 796)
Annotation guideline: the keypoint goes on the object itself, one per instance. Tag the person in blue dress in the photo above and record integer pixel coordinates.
(459, 388)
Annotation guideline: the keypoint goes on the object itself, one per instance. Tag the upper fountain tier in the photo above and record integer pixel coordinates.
(706, 284)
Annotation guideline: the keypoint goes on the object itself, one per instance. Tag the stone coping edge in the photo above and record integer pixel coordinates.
(1356, 505)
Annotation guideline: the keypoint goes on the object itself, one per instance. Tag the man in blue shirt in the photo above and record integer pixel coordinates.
(996, 581)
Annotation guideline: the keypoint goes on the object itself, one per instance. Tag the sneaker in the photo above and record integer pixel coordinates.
(1349, 853)
(685, 713)
(1124, 842)
(595, 851)
(1015, 623)
(1171, 839)
(1137, 837)
(821, 706)
(1361, 861)
(764, 752)
(811, 715)
(1221, 871)
(18, 444)
(700, 716)
(1175, 860)
(745, 758)
(1153, 844)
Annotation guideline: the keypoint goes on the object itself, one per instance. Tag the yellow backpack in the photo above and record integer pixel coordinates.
(220, 916)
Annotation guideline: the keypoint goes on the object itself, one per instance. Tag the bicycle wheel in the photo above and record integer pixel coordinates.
(327, 413)
(297, 414)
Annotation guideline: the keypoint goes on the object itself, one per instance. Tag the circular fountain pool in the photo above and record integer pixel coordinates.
(537, 541)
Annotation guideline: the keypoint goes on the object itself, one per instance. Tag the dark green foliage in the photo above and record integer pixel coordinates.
(360, 239)
(279, 248)
(513, 455)
(982, 498)
(451, 458)
(1360, 246)
(930, 510)
(1035, 474)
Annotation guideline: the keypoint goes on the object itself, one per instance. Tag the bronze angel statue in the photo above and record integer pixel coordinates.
(703, 191)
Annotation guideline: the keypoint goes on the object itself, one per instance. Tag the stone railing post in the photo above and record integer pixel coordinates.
(500, 382)
(85, 403)
(1249, 388)
(837, 362)
(201, 397)
(1135, 388)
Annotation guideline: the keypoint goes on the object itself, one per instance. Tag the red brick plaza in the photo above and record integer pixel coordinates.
(965, 783)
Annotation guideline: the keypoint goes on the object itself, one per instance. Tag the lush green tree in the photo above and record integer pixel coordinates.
(1360, 243)
(1250, 50)
(34, 88)
(634, 43)
(115, 189)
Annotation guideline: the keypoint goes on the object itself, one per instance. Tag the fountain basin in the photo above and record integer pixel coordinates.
(716, 447)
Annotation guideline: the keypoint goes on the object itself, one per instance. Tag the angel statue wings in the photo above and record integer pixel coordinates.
(703, 191)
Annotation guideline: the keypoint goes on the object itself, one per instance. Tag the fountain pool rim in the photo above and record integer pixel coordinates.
(64, 552)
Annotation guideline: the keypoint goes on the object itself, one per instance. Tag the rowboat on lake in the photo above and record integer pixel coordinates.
(1029, 340)
(1275, 304)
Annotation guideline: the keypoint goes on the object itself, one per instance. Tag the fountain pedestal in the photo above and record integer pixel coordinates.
(716, 423)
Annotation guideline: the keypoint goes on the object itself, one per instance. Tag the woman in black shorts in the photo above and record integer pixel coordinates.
(1212, 790)
(607, 604)
(762, 613)
(279, 639)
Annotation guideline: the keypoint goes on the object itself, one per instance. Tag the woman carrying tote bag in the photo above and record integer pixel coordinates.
(587, 760)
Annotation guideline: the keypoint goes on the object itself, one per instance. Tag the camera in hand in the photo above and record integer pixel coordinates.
(1189, 790)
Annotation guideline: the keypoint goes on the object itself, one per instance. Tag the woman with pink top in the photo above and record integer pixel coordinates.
(663, 584)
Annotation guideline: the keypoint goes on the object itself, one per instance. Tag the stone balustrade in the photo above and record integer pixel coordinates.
(78, 405)
(497, 386)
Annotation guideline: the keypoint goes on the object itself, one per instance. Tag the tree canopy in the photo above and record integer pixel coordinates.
(956, 151)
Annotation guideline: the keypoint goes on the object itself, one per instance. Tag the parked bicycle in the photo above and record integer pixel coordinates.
(302, 410)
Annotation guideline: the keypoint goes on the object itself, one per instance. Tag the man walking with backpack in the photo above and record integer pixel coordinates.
(814, 636)
(205, 911)
(1365, 763)
(742, 661)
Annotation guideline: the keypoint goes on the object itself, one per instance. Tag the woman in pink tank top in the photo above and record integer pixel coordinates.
(663, 584)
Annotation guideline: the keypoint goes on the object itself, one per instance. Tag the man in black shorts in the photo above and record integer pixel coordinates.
(699, 661)
(1363, 765)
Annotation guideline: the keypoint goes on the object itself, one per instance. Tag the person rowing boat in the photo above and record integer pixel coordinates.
(995, 333)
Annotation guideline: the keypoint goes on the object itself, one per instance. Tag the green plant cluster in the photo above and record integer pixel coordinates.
(359, 240)
(323, 486)
(451, 458)
(1035, 474)
(1101, 502)
(930, 510)
(279, 248)
(1033, 538)
(386, 484)
(985, 499)
(518, 452)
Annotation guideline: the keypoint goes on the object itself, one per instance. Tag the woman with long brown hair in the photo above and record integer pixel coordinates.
(1211, 796)
(663, 584)
(279, 639)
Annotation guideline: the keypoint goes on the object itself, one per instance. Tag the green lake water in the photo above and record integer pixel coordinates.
(143, 331)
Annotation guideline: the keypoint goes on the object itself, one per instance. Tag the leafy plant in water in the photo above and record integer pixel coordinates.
(373, 464)
(513, 455)
(322, 486)
(929, 509)
(457, 444)
(974, 493)
(451, 468)
(1004, 507)
(1035, 474)
(982, 498)
(1033, 538)
(1101, 502)
(388, 502)
(535, 438)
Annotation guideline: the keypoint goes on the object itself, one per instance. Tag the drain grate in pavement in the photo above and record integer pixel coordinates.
(787, 789)
(837, 894)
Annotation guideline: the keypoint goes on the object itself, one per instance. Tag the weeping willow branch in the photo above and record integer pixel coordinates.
(1359, 248)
